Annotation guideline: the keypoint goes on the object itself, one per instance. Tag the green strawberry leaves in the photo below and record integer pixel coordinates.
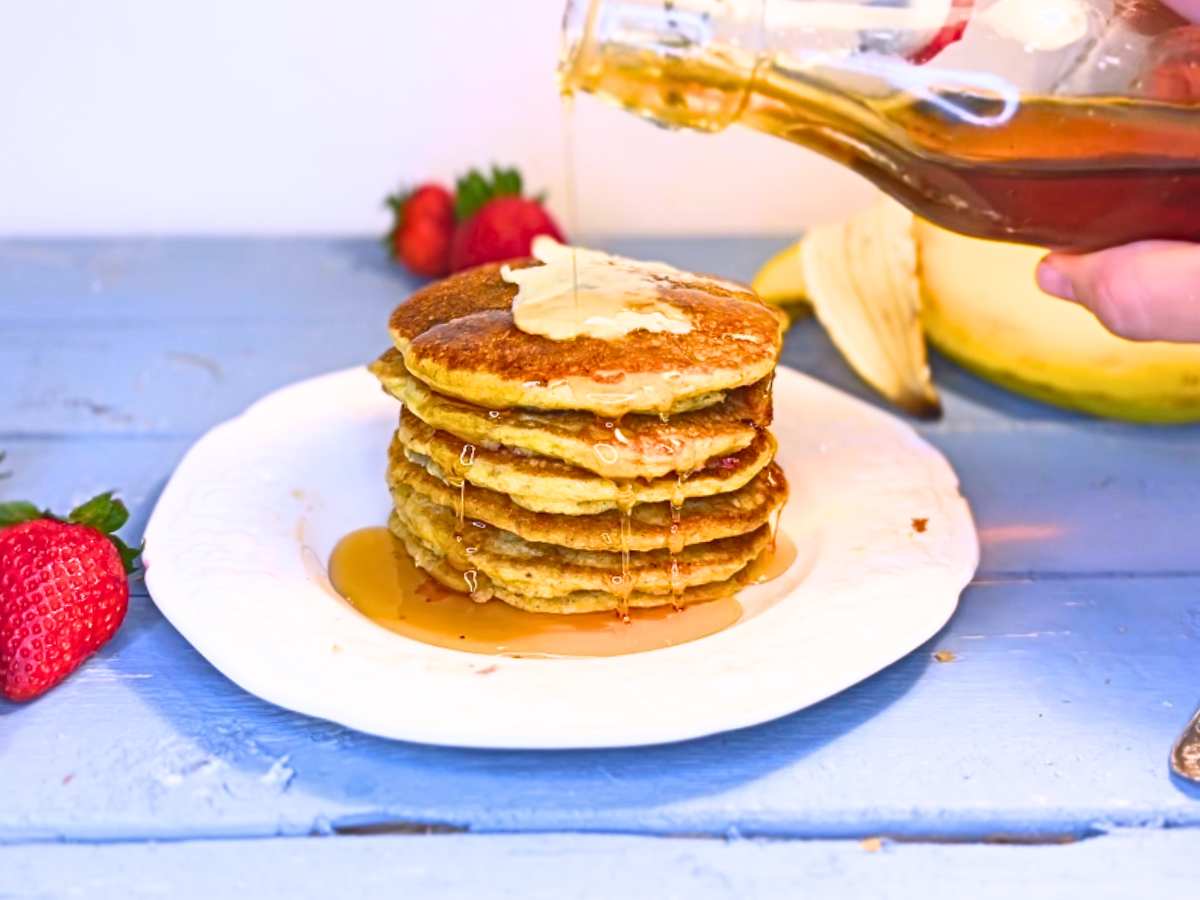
(129, 555)
(17, 511)
(107, 514)
(396, 203)
(474, 189)
(103, 512)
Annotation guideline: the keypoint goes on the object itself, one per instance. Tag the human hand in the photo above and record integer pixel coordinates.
(1148, 291)
(1189, 9)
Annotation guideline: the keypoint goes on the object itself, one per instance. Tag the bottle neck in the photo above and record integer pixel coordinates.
(705, 64)
(687, 63)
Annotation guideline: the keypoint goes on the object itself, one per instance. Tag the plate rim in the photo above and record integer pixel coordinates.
(932, 618)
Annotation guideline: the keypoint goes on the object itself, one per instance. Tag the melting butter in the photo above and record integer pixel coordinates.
(586, 293)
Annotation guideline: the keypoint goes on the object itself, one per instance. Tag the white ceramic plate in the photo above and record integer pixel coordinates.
(236, 553)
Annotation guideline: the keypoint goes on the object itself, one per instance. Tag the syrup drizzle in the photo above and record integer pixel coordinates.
(773, 562)
(568, 122)
(624, 583)
(466, 459)
(371, 569)
(675, 538)
(775, 517)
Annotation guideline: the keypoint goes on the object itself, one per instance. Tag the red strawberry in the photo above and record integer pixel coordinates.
(64, 590)
(432, 202)
(494, 221)
(424, 247)
(422, 229)
(957, 17)
(1172, 67)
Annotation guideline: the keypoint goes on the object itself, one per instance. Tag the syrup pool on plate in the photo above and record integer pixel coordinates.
(372, 570)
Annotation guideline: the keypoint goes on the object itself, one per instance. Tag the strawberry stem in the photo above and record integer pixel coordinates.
(396, 203)
(15, 512)
(474, 189)
(103, 512)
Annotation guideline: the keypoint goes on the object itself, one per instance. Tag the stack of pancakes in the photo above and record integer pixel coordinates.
(583, 475)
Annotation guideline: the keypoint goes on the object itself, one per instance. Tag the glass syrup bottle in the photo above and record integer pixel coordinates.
(1061, 123)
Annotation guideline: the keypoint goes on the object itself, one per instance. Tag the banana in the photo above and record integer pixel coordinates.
(983, 309)
(884, 281)
(780, 282)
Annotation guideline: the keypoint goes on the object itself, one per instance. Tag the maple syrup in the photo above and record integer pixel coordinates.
(675, 533)
(1066, 172)
(372, 570)
(775, 562)
(569, 194)
(623, 585)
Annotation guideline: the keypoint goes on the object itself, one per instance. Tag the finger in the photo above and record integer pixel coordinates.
(1150, 17)
(1144, 292)
(1189, 9)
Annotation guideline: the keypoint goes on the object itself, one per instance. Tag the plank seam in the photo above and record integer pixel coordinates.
(323, 828)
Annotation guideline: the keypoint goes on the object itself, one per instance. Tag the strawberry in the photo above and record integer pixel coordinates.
(495, 222)
(430, 201)
(952, 30)
(422, 228)
(64, 590)
(424, 247)
(1172, 67)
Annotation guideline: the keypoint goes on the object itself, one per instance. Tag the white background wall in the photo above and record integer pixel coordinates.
(267, 116)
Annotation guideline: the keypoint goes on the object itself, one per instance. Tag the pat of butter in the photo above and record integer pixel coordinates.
(586, 293)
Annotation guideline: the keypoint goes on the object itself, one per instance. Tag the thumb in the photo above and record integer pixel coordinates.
(1144, 292)
(1189, 9)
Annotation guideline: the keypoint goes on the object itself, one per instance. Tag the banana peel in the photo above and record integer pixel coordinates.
(861, 278)
(884, 281)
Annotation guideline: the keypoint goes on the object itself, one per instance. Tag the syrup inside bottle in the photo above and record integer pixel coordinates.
(1067, 172)
(372, 570)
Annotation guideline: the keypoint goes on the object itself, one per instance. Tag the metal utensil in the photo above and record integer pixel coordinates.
(1185, 755)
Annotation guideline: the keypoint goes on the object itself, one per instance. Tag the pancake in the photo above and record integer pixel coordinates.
(546, 572)
(648, 526)
(458, 336)
(639, 446)
(444, 572)
(552, 486)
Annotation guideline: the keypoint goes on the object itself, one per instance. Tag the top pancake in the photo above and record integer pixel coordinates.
(458, 336)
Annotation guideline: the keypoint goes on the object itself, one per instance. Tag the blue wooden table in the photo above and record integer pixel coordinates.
(1034, 761)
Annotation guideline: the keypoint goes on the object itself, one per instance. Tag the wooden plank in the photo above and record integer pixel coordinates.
(175, 378)
(1059, 501)
(272, 280)
(185, 280)
(263, 279)
(111, 336)
(138, 378)
(1053, 719)
(151, 377)
(58, 473)
(1047, 501)
(553, 867)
